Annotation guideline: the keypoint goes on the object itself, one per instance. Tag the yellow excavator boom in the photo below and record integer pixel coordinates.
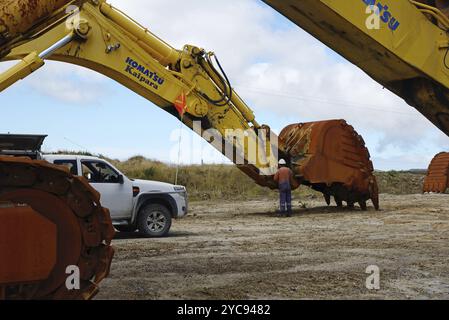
(402, 44)
(186, 83)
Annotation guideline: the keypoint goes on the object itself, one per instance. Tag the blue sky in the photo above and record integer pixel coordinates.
(285, 75)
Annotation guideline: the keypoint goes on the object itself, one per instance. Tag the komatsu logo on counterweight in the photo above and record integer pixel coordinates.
(383, 13)
(143, 74)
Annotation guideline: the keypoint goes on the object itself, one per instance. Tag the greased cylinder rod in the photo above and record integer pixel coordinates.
(30, 63)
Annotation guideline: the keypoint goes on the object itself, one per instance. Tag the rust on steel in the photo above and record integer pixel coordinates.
(62, 214)
(19, 16)
(33, 254)
(331, 157)
(437, 179)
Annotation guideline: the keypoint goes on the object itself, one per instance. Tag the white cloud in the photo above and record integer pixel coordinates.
(64, 82)
(413, 160)
(68, 83)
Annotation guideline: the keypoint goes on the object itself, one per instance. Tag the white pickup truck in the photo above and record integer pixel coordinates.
(147, 206)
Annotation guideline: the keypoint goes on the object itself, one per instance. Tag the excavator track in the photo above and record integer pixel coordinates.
(437, 179)
(52, 226)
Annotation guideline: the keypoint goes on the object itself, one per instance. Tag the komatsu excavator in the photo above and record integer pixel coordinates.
(51, 221)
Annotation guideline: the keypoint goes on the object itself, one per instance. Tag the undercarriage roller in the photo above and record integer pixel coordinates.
(50, 222)
(331, 157)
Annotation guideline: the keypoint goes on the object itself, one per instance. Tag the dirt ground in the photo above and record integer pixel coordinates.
(241, 250)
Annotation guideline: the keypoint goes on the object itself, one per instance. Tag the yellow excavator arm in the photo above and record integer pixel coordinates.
(185, 83)
(402, 44)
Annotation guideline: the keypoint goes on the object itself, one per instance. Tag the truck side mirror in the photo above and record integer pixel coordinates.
(121, 179)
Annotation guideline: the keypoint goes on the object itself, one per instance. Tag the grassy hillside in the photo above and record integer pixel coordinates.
(203, 182)
(400, 182)
(227, 182)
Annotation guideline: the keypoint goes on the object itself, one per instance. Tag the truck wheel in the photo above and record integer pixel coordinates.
(154, 221)
(125, 228)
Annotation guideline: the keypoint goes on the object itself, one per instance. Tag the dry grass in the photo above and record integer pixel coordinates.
(401, 182)
(210, 182)
(206, 182)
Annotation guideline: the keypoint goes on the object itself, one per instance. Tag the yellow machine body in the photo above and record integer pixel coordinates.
(403, 46)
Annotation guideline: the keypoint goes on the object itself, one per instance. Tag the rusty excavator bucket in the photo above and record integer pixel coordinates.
(331, 157)
(437, 179)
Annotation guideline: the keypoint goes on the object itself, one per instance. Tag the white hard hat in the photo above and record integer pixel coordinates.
(282, 162)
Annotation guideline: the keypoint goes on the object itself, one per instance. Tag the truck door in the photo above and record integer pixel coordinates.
(115, 189)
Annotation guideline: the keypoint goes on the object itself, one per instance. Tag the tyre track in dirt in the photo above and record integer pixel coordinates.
(241, 250)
